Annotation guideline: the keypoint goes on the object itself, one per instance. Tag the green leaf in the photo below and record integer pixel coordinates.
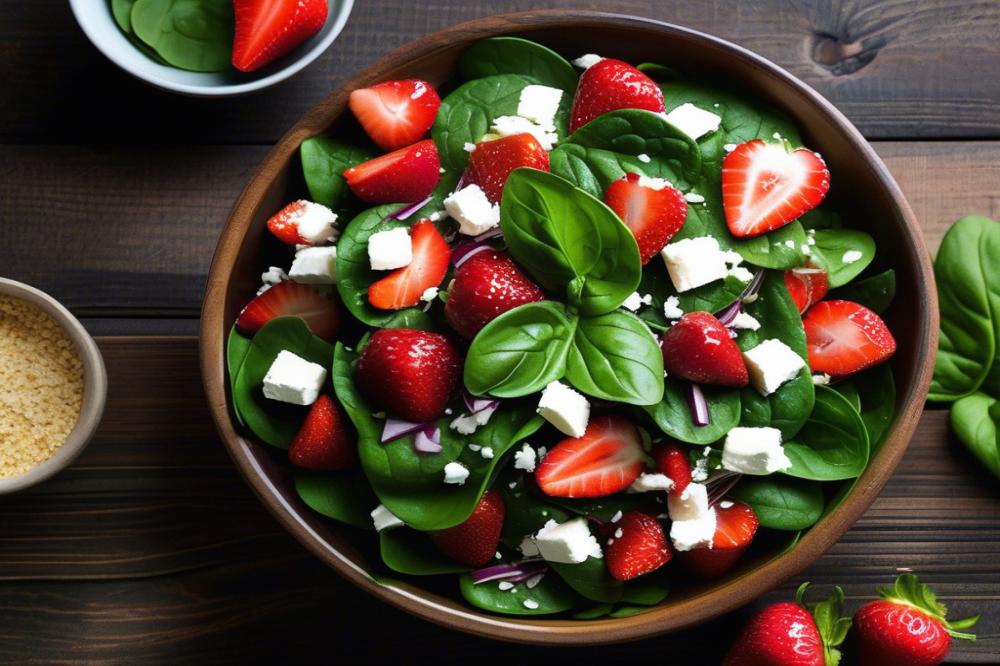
(343, 496)
(122, 11)
(821, 218)
(410, 552)
(195, 35)
(237, 346)
(324, 159)
(513, 55)
(877, 393)
(836, 252)
(847, 389)
(615, 357)
(590, 579)
(711, 297)
(976, 422)
(673, 415)
(908, 590)
(833, 445)
(354, 405)
(781, 248)
(520, 351)
(875, 293)
(782, 503)
(526, 513)
(832, 626)
(551, 594)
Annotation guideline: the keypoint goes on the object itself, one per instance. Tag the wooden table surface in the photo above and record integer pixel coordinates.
(151, 548)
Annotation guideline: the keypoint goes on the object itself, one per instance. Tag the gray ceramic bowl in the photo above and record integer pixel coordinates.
(95, 387)
(95, 17)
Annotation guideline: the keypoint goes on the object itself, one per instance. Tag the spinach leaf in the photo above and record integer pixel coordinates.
(781, 503)
(324, 159)
(513, 55)
(520, 351)
(195, 35)
(976, 422)
(563, 236)
(614, 356)
(237, 346)
(711, 297)
(551, 594)
(657, 72)
(276, 423)
(344, 496)
(875, 292)
(835, 251)
(525, 513)
(781, 248)
(590, 579)
(122, 12)
(647, 590)
(877, 395)
(968, 280)
(410, 552)
(358, 411)
(821, 218)
(847, 389)
(673, 416)
(410, 318)
(833, 444)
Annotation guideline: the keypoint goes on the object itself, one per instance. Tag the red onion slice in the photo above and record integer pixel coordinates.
(476, 405)
(720, 486)
(698, 405)
(728, 314)
(408, 210)
(495, 232)
(466, 251)
(396, 428)
(521, 570)
(428, 439)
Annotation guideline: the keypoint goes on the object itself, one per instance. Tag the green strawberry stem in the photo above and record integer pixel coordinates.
(909, 591)
(830, 621)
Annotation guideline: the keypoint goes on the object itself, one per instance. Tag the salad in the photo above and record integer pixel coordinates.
(566, 334)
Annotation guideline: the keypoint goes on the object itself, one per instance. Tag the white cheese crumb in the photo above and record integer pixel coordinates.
(618, 516)
(743, 275)
(468, 147)
(633, 302)
(487, 453)
(671, 308)
(644, 158)
(821, 379)
(533, 582)
(694, 262)
(511, 125)
(455, 473)
(771, 364)
(651, 482)
(693, 121)
(729, 147)
(654, 183)
(474, 213)
(851, 256)
(524, 458)
(528, 547)
(692, 197)
(744, 320)
(564, 408)
(530, 604)
(388, 250)
(504, 585)
(430, 293)
(383, 519)
(569, 543)
(539, 104)
(467, 424)
(755, 451)
(587, 60)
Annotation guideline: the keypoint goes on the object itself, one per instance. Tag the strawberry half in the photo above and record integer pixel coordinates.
(606, 460)
(268, 29)
(403, 287)
(395, 113)
(492, 161)
(610, 85)
(735, 527)
(806, 286)
(638, 546)
(844, 337)
(653, 213)
(672, 461)
(324, 442)
(764, 186)
(410, 373)
(474, 542)
(291, 299)
(485, 286)
(405, 175)
(698, 348)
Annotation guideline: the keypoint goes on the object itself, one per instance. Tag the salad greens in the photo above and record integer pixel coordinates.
(324, 159)
(196, 35)
(782, 503)
(833, 444)
(513, 55)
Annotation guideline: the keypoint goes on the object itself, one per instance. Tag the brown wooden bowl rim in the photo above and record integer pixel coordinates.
(729, 594)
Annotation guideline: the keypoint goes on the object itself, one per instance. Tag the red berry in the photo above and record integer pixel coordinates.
(325, 441)
(610, 85)
(844, 337)
(806, 286)
(292, 299)
(404, 287)
(265, 30)
(605, 461)
(492, 161)
(653, 215)
(474, 542)
(396, 113)
(485, 286)
(735, 527)
(698, 348)
(672, 461)
(405, 175)
(638, 546)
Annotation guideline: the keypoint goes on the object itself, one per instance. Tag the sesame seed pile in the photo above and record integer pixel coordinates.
(41, 386)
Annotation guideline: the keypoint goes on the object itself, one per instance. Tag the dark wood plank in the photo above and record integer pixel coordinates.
(899, 69)
(152, 545)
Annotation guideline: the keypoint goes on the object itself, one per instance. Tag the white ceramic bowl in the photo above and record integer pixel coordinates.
(95, 17)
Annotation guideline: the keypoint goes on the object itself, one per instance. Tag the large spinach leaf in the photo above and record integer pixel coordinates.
(782, 503)
(673, 415)
(710, 297)
(195, 35)
(843, 253)
(877, 393)
(343, 496)
(976, 422)
(551, 595)
(513, 55)
(875, 292)
(833, 444)
(237, 346)
(410, 552)
(324, 159)
(590, 579)
(782, 248)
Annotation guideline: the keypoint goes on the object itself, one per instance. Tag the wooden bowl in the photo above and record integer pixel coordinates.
(863, 191)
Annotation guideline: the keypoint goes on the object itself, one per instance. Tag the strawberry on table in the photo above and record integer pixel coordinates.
(698, 348)
(652, 208)
(404, 286)
(325, 442)
(410, 373)
(485, 286)
(735, 527)
(268, 29)
(638, 546)
(474, 542)
(396, 113)
(806, 285)
(292, 299)
(764, 186)
(403, 176)
(610, 85)
(672, 461)
(605, 461)
(843, 337)
(492, 161)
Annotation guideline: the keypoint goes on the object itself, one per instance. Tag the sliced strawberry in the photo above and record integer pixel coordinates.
(485, 286)
(403, 287)
(672, 460)
(844, 337)
(638, 546)
(410, 373)
(396, 113)
(610, 85)
(735, 527)
(654, 211)
(285, 223)
(764, 186)
(807, 286)
(606, 460)
(291, 299)
(698, 348)
(268, 29)
(405, 175)
(325, 441)
(474, 542)
(492, 161)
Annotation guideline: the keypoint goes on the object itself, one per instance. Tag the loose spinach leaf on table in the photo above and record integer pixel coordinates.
(782, 503)
(195, 35)
(551, 595)
(343, 496)
(673, 415)
(410, 552)
(976, 422)
(324, 159)
(833, 444)
(831, 253)
(513, 55)
(875, 293)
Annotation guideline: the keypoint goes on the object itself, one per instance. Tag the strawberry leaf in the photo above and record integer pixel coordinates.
(830, 621)
(909, 591)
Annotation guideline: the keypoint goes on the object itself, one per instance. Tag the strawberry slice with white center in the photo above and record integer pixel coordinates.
(844, 337)
(402, 176)
(652, 208)
(396, 113)
(639, 548)
(735, 527)
(806, 286)
(291, 299)
(605, 461)
(404, 286)
(764, 186)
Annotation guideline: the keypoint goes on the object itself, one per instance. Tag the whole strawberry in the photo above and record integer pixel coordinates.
(698, 348)
(474, 542)
(487, 285)
(906, 626)
(610, 85)
(793, 634)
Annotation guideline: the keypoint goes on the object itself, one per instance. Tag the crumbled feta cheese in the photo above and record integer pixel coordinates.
(635, 301)
(751, 298)
(821, 379)
(511, 125)
(671, 308)
(644, 158)
(474, 213)
(694, 262)
(742, 274)
(436, 215)
(690, 504)
(383, 519)
(771, 364)
(505, 585)
(618, 516)
(754, 451)
(811, 239)
(467, 424)
(587, 60)
(690, 534)
(430, 293)
(776, 135)
(744, 320)
(468, 146)
(525, 458)
(315, 265)
(653, 183)
(530, 604)
(692, 197)
(475, 448)
(699, 473)
(314, 223)
(273, 275)
(569, 543)
(651, 482)
(726, 504)
(455, 473)
(539, 104)
(293, 379)
(851, 256)
(528, 547)
(693, 121)
(805, 249)
(790, 244)
(541, 453)
(533, 582)
(486, 453)
(564, 408)
(729, 147)
(391, 249)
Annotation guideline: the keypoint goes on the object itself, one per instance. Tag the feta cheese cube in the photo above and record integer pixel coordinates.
(293, 379)
(383, 519)
(315, 265)
(474, 213)
(455, 473)
(771, 364)
(390, 249)
(694, 262)
(539, 104)
(672, 308)
(743, 320)
(754, 451)
(696, 533)
(587, 60)
(525, 458)
(651, 482)
(511, 125)
(564, 408)
(693, 121)
(633, 302)
(314, 223)
(569, 543)
(691, 504)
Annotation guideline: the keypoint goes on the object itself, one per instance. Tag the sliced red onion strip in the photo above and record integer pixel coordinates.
(527, 575)
(720, 486)
(408, 209)
(466, 251)
(396, 428)
(428, 439)
(526, 568)
(754, 286)
(476, 405)
(727, 315)
(495, 232)
(698, 405)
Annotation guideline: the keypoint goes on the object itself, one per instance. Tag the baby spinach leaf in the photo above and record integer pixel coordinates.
(976, 422)
(551, 595)
(657, 72)
(711, 297)
(513, 55)
(357, 409)
(563, 236)
(276, 423)
(835, 251)
(520, 351)
(525, 512)
(605, 508)
(594, 612)
(673, 415)
(875, 292)
(847, 389)
(968, 280)
(410, 552)
(781, 503)
(237, 346)
(590, 579)
(833, 444)
(343, 496)
(782, 248)
(196, 35)
(647, 590)
(877, 394)
(122, 11)
(324, 159)
(615, 357)
(821, 218)
(410, 318)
